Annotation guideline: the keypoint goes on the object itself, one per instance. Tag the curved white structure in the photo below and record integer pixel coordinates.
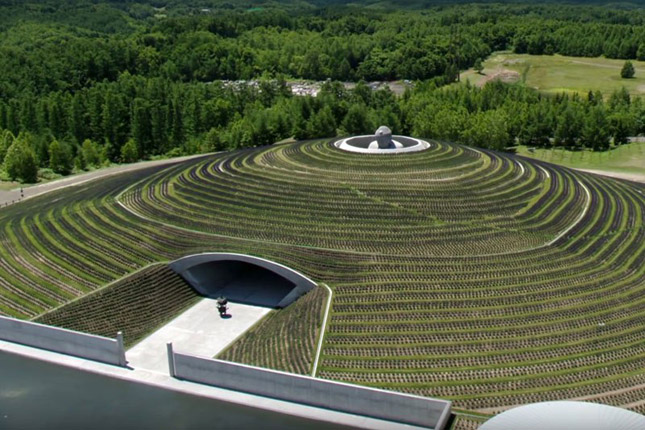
(566, 415)
(242, 278)
(382, 142)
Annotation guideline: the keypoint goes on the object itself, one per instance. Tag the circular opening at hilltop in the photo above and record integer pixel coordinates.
(382, 142)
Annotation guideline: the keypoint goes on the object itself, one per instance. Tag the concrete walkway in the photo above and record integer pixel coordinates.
(13, 196)
(198, 331)
(620, 175)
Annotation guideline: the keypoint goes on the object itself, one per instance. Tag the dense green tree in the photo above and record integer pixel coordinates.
(60, 159)
(77, 118)
(620, 99)
(536, 126)
(622, 125)
(28, 119)
(178, 131)
(569, 126)
(488, 129)
(213, 141)
(6, 140)
(445, 123)
(20, 161)
(129, 152)
(355, 122)
(323, 123)
(627, 71)
(57, 115)
(141, 126)
(90, 152)
(478, 66)
(95, 113)
(595, 132)
(114, 122)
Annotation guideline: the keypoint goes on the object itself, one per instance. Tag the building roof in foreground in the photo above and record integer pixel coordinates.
(566, 415)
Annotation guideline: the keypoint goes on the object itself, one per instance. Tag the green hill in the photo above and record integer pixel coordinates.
(477, 276)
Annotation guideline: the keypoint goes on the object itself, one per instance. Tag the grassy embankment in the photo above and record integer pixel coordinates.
(627, 160)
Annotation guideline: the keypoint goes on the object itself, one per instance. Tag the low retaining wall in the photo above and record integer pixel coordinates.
(97, 348)
(337, 396)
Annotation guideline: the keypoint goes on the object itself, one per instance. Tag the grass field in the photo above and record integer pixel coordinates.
(625, 159)
(8, 185)
(5, 183)
(557, 73)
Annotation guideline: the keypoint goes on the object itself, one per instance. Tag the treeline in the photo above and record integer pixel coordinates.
(37, 58)
(500, 115)
(86, 84)
(135, 118)
(583, 40)
(55, 47)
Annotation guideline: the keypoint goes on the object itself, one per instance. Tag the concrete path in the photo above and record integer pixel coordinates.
(198, 331)
(13, 196)
(620, 175)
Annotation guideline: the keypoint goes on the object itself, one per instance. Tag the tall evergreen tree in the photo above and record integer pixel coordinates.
(177, 134)
(114, 122)
(77, 118)
(6, 140)
(627, 71)
(141, 126)
(595, 132)
(95, 113)
(569, 126)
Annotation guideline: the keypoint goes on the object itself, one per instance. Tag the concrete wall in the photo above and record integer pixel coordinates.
(68, 342)
(381, 404)
(206, 273)
(37, 394)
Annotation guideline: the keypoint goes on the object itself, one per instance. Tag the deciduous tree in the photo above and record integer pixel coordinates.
(20, 161)
(60, 159)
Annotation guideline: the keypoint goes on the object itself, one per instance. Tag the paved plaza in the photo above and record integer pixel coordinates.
(198, 331)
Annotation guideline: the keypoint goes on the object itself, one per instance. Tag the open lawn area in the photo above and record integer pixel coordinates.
(8, 185)
(625, 159)
(557, 73)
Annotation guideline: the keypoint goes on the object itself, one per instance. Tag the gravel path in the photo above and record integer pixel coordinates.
(15, 195)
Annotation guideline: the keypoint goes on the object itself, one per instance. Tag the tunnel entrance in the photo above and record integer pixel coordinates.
(242, 282)
(243, 279)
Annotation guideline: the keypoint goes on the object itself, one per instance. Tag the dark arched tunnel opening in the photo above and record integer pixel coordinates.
(242, 279)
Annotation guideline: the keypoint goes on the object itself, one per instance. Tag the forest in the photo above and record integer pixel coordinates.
(86, 84)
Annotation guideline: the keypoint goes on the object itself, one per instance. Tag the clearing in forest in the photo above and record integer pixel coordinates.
(558, 73)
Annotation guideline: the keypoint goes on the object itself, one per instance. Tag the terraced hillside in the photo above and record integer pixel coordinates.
(136, 305)
(481, 277)
(286, 339)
